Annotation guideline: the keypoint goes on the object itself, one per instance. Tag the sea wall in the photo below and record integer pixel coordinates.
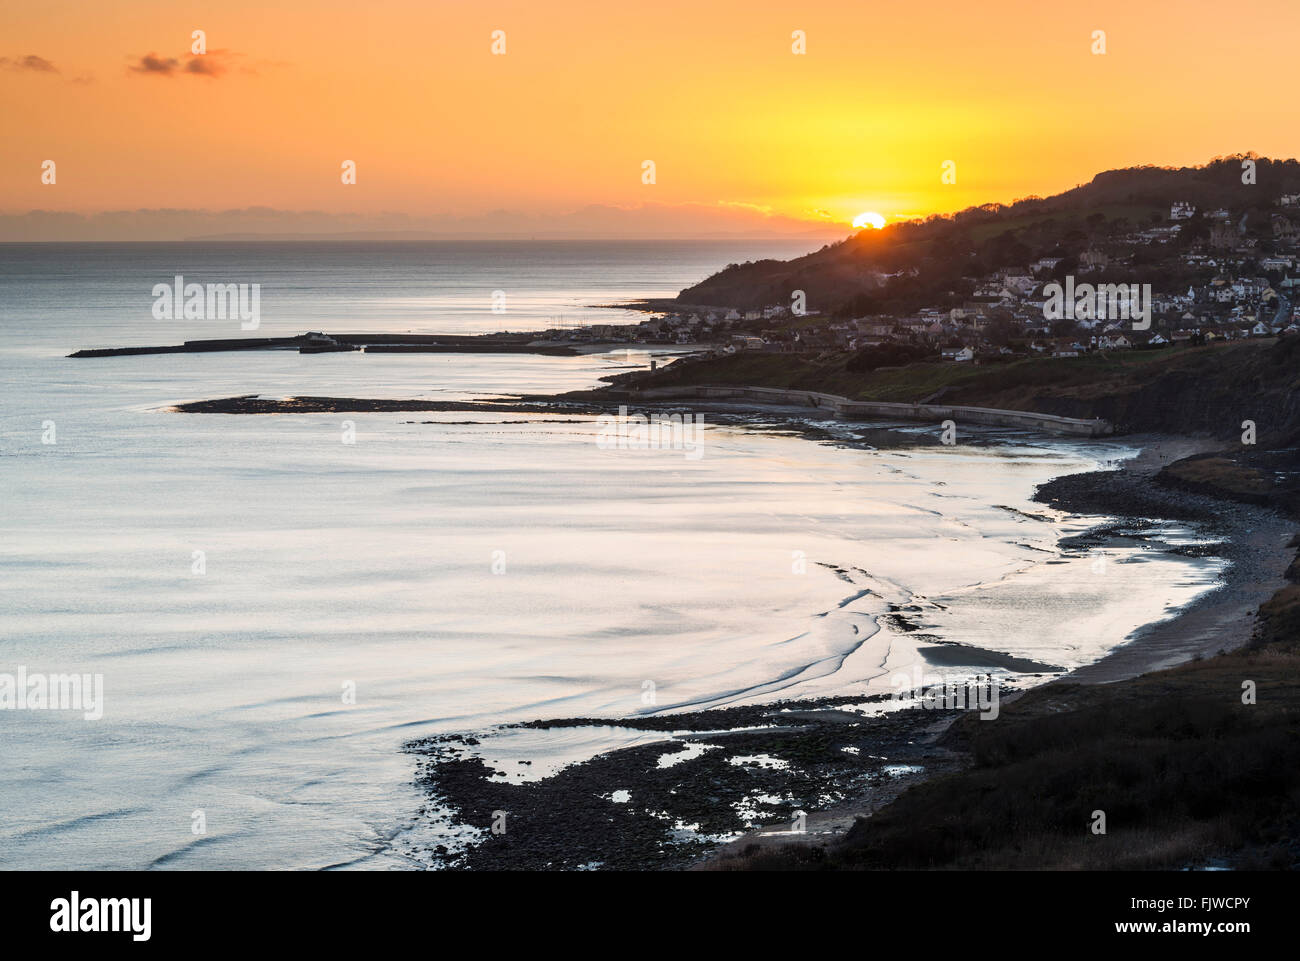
(845, 409)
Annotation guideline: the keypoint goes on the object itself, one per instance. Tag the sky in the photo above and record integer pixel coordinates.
(745, 134)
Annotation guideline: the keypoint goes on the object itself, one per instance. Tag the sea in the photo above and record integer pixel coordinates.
(276, 605)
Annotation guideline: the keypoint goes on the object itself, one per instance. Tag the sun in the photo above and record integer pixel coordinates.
(869, 219)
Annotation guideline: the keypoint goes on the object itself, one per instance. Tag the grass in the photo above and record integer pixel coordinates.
(1280, 616)
(1221, 476)
(916, 381)
(1137, 214)
(1210, 390)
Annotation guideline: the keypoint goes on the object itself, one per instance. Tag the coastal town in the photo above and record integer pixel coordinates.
(1214, 275)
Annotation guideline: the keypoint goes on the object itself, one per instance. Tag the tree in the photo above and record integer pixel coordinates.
(1001, 331)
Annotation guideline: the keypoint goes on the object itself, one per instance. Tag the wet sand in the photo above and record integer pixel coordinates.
(827, 748)
(749, 763)
(1254, 542)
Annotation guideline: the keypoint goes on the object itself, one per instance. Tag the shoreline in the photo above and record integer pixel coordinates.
(1221, 620)
(855, 765)
(1253, 541)
(898, 749)
(1199, 629)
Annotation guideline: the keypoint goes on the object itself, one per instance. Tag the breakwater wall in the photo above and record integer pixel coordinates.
(845, 409)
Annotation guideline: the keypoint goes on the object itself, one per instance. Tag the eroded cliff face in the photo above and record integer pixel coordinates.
(1214, 394)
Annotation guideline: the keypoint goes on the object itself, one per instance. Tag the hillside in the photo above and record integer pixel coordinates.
(1204, 390)
(934, 256)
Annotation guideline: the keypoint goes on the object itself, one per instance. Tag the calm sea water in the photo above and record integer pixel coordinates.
(453, 571)
(100, 294)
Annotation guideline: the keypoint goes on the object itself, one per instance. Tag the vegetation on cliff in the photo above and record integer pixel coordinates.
(931, 262)
(1210, 390)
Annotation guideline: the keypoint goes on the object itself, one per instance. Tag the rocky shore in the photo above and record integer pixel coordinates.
(668, 803)
(1251, 537)
(1184, 736)
(686, 793)
(687, 800)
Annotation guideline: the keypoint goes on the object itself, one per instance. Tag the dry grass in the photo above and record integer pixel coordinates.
(1219, 476)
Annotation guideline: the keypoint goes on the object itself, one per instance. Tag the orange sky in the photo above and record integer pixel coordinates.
(711, 92)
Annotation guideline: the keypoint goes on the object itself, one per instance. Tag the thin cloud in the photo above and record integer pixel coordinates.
(30, 62)
(213, 64)
(205, 66)
(742, 205)
(151, 63)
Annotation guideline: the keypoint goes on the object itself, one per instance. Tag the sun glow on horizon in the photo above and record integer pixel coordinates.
(746, 136)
